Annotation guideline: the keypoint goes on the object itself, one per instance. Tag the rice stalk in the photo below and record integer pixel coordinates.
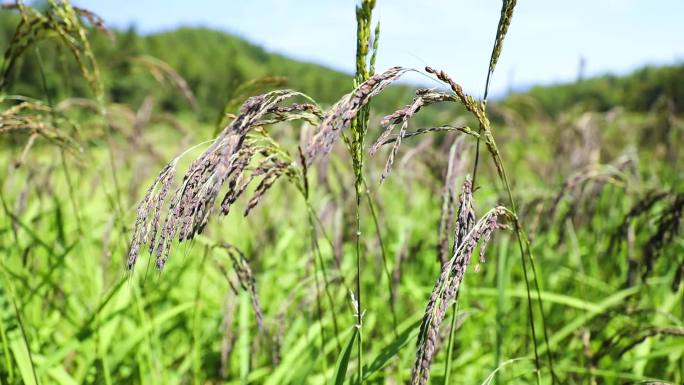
(341, 114)
(479, 112)
(465, 221)
(38, 119)
(359, 127)
(244, 91)
(448, 284)
(228, 338)
(164, 73)
(446, 219)
(58, 19)
(501, 30)
(402, 116)
(383, 253)
(424, 97)
(668, 227)
(318, 255)
(247, 280)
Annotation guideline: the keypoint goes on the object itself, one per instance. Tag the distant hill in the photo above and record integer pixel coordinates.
(215, 63)
(638, 91)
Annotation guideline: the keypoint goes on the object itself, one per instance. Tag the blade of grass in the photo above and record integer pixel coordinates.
(450, 343)
(244, 339)
(343, 360)
(501, 281)
(20, 346)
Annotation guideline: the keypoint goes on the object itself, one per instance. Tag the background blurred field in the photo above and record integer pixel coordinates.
(595, 167)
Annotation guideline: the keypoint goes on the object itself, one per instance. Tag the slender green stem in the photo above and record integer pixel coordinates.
(450, 344)
(319, 307)
(524, 246)
(359, 127)
(196, 359)
(359, 308)
(383, 250)
(53, 117)
(523, 243)
(501, 273)
(72, 193)
(681, 359)
(327, 240)
(477, 159)
(326, 282)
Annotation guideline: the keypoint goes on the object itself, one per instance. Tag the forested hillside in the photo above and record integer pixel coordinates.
(639, 91)
(215, 64)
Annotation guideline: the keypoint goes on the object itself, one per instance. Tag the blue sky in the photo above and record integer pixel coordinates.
(544, 44)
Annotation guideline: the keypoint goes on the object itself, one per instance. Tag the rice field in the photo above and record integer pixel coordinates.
(446, 239)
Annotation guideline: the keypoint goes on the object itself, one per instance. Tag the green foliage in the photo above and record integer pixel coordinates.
(638, 91)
